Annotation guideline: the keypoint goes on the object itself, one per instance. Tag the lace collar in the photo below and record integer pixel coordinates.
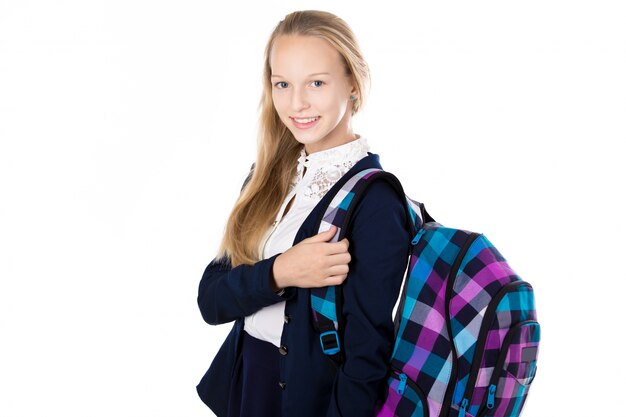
(325, 167)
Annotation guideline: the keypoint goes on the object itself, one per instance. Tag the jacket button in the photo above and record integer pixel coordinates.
(282, 385)
(287, 318)
(283, 350)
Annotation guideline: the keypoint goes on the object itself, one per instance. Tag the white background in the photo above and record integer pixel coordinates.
(127, 128)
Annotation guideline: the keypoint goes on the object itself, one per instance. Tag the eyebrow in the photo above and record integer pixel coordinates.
(310, 75)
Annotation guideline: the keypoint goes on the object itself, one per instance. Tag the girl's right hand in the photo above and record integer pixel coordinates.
(313, 262)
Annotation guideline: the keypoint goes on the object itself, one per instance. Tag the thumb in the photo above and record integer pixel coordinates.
(324, 236)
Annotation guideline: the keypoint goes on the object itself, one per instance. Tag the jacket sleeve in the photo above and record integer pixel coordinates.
(226, 294)
(379, 249)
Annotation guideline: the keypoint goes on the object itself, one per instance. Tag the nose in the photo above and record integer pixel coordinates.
(299, 100)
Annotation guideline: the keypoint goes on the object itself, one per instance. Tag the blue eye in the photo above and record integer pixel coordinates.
(315, 81)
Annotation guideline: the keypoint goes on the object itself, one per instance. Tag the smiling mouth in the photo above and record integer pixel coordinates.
(306, 122)
(305, 119)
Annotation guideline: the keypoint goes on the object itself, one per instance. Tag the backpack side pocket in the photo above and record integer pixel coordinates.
(514, 371)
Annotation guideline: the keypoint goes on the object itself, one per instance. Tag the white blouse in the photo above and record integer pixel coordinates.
(323, 169)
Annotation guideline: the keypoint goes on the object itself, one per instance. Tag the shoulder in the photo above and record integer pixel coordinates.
(381, 203)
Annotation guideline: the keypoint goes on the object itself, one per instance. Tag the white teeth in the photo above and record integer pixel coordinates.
(310, 119)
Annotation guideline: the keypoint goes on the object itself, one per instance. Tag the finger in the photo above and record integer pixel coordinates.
(342, 258)
(335, 280)
(325, 235)
(341, 269)
(337, 247)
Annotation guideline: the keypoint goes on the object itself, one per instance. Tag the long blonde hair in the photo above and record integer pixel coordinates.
(275, 167)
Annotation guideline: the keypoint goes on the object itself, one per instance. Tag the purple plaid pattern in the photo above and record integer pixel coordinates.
(486, 301)
(423, 350)
(509, 357)
(483, 273)
(512, 373)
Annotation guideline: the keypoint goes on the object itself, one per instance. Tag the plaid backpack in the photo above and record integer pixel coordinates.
(466, 331)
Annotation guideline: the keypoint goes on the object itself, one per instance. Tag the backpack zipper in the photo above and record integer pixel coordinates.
(491, 396)
(398, 316)
(404, 381)
(450, 284)
(482, 336)
(463, 408)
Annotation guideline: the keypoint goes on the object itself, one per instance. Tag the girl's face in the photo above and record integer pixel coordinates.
(309, 81)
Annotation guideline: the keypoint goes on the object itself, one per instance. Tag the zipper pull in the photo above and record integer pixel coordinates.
(463, 407)
(417, 237)
(491, 398)
(402, 384)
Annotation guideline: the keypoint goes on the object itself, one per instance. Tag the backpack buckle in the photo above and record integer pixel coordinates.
(330, 342)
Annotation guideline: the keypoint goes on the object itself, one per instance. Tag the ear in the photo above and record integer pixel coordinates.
(353, 91)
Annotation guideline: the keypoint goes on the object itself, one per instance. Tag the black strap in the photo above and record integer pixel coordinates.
(426, 217)
(330, 339)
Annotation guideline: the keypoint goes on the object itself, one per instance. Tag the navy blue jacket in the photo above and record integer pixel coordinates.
(314, 386)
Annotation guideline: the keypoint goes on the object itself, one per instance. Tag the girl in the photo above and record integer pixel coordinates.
(272, 364)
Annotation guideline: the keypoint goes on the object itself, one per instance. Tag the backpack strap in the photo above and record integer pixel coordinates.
(427, 218)
(327, 302)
